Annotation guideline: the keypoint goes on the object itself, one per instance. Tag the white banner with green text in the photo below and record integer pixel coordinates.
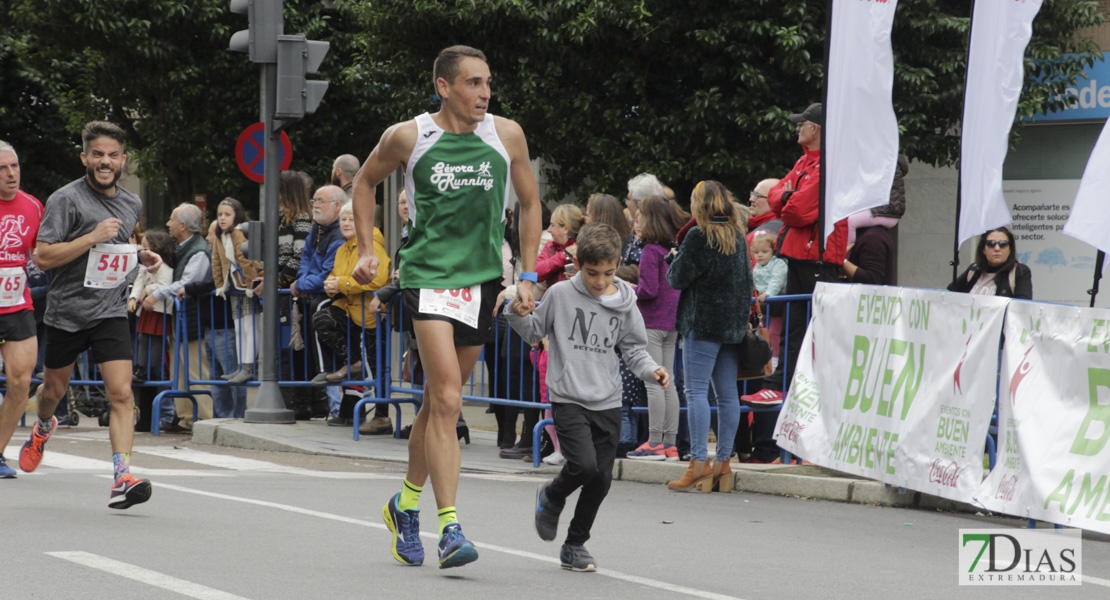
(896, 384)
(1053, 462)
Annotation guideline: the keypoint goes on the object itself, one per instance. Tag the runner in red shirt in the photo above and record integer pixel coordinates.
(20, 216)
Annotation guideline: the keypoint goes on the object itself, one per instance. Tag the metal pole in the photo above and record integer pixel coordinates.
(1100, 258)
(269, 406)
(824, 155)
(960, 169)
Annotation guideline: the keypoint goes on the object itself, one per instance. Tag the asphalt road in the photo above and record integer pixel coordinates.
(227, 524)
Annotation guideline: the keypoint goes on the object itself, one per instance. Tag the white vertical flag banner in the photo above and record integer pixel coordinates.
(1091, 212)
(1053, 461)
(861, 138)
(896, 384)
(1000, 31)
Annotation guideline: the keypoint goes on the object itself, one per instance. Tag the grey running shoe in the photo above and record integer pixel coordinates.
(577, 558)
(547, 515)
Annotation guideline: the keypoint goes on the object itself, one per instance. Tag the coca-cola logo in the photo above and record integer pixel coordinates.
(791, 430)
(1007, 488)
(945, 474)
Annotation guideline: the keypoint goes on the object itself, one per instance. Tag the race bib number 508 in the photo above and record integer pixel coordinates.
(461, 305)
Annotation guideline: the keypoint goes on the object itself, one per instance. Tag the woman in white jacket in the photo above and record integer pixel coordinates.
(154, 326)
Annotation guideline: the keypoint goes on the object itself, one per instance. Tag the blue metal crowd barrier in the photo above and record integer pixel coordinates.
(154, 364)
(295, 368)
(477, 383)
(497, 378)
(754, 385)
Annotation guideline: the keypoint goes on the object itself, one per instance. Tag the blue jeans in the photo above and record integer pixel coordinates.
(628, 425)
(335, 399)
(707, 363)
(228, 402)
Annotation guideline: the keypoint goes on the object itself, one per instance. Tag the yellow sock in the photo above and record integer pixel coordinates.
(447, 516)
(410, 496)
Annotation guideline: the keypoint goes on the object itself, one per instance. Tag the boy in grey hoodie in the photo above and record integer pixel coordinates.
(586, 318)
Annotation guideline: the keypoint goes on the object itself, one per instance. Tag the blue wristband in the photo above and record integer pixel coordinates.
(530, 276)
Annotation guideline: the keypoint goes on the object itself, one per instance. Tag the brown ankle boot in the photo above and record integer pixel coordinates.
(695, 473)
(722, 479)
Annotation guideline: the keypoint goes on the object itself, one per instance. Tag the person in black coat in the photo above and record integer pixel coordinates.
(996, 271)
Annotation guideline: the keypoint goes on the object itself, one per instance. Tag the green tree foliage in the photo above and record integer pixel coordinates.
(162, 70)
(690, 90)
(699, 89)
(33, 125)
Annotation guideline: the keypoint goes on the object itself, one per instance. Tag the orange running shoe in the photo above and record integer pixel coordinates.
(31, 454)
(129, 491)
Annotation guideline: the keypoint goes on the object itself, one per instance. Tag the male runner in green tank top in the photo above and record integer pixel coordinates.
(457, 164)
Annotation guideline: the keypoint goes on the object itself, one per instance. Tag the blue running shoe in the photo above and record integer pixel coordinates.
(577, 558)
(405, 527)
(454, 549)
(547, 515)
(6, 472)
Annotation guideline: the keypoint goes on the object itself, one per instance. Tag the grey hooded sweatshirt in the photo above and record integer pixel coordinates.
(582, 365)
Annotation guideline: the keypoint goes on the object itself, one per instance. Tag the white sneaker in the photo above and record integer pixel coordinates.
(555, 458)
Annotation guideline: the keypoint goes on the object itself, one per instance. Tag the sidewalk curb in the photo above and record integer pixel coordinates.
(210, 433)
(769, 479)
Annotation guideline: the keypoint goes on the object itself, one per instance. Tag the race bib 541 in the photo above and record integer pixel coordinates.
(109, 265)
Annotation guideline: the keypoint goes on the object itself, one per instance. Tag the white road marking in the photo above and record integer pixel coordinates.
(644, 581)
(502, 477)
(61, 460)
(236, 463)
(69, 462)
(1096, 581)
(153, 578)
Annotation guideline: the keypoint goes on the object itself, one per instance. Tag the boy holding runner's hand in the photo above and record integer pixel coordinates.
(586, 318)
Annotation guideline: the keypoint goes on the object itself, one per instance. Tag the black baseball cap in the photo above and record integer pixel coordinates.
(814, 113)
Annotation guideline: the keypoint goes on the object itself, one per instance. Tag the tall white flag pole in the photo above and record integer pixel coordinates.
(1000, 32)
(1090, 212)
(860, 154)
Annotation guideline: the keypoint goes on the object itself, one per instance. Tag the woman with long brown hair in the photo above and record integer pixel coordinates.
(603, 208)
(296, 224)
(714, 276)
(658, 302)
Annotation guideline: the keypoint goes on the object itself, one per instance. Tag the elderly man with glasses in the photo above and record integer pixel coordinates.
(317, 261)
(762, 218)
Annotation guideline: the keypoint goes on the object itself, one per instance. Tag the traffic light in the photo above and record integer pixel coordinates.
(260, 41)
(297, 57)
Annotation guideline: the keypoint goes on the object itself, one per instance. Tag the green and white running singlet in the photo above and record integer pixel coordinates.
(457, 187)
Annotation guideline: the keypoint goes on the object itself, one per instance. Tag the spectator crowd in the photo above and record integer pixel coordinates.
(694, 274)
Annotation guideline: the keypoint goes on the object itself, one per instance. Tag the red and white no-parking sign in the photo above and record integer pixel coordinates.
(250, 152)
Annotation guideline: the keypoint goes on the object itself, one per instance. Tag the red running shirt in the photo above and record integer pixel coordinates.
(20, 218)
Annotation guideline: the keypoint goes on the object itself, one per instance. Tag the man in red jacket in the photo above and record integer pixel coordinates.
(794, 199)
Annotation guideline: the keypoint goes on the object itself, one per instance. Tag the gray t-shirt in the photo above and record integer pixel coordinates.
(72, 212)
